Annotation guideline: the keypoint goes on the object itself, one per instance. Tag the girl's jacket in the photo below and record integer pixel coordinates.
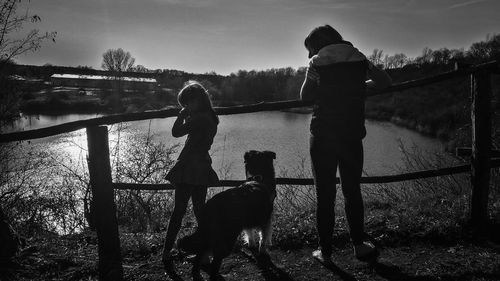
(340, 71)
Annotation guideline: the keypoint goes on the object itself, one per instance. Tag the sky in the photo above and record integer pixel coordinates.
(228, 35)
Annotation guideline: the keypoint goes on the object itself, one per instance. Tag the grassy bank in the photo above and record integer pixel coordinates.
(439, 110)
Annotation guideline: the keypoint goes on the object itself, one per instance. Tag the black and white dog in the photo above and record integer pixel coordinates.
(225, 216)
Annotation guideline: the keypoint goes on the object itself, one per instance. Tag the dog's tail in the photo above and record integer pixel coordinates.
(193, 243)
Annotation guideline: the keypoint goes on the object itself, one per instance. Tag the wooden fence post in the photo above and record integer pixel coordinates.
(110, 263)
(481, 147)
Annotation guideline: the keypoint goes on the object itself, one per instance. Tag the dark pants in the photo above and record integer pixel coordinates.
(326, 155)
(182, 194)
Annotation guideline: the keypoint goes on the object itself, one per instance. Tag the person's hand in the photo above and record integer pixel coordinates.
(370, 85)
(183, 113)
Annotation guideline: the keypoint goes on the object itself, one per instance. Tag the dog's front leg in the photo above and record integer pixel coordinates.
(251, 237)
(267, 233)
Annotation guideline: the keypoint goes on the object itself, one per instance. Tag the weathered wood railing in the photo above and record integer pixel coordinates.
(110, 267)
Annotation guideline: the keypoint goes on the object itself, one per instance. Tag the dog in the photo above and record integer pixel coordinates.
(227, 214)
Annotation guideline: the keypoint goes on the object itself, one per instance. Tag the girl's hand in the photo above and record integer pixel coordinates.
(379, 79)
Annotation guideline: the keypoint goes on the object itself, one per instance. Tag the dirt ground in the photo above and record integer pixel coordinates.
(410, 263)
(74, 258)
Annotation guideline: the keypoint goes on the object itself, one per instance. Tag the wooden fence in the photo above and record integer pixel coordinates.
(110, 266)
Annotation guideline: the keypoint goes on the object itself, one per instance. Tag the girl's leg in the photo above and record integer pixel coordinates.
(198, 196)
(351, 168)
(324, 166)
(182, 194)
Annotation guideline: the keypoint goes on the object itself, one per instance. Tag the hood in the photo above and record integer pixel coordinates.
(336, 53)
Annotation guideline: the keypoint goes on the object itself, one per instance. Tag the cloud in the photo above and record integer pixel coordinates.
(468, 3)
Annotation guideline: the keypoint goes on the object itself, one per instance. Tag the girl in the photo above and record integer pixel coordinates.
(192, 172)
(335, 81)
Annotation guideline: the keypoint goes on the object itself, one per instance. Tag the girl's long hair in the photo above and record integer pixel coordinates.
(193, 90)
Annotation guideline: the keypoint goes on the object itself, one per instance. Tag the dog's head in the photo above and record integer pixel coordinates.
(259, 166)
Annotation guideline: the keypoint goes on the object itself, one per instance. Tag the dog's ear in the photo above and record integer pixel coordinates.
(249, 154)
(270, 154)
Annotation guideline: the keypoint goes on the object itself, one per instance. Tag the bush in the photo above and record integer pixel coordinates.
(35, 192)
(46, 189)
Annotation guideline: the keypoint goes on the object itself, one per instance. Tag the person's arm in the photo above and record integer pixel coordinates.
(181, 126)
(379, 79)
(310, 85)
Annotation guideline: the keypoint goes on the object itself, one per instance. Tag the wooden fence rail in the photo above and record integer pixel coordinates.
(495, 163)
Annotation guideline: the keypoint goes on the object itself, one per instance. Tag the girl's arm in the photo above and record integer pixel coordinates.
(379, 79)
(310, 85)
(181, 126)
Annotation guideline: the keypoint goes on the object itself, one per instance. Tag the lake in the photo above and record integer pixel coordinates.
(285, 133)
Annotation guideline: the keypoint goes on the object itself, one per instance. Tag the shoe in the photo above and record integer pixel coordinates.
(366, 251)
(321, 257)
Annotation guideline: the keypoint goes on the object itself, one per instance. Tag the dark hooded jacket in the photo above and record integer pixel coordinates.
(339, 109)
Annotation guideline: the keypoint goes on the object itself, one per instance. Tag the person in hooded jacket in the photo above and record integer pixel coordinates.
(336, 81)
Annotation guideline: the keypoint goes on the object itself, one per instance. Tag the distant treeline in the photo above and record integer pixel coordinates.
(478, 52)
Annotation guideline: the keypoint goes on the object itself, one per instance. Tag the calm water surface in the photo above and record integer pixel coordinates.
(285, 133)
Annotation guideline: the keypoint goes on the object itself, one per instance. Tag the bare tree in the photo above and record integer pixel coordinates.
(426, 56)
(117, 61)
(376, 57)
(141, 69)
(12, 44)
(486, 50)
(11, 22)
(400, 60)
